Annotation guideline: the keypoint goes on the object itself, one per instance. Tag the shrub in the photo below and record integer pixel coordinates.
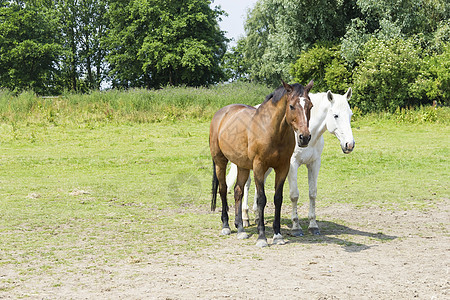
(385, 75)
(324, 64)
(434, 81)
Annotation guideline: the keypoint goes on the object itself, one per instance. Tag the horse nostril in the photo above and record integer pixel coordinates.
(300, 136)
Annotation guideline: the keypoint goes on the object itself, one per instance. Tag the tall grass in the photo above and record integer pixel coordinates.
(168, 104)
(137, 105)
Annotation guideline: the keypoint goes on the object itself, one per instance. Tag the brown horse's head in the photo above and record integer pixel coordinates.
(298, 110)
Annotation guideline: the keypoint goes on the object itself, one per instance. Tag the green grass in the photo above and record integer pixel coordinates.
(79, 185)
(136, 106)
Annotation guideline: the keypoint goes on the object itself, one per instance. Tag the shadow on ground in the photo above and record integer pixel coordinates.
(330, 233)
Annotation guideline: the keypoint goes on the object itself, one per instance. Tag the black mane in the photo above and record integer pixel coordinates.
(281, 91)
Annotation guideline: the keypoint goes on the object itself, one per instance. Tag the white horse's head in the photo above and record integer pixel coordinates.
(338, 119)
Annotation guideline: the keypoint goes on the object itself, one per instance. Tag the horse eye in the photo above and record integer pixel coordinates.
(291, 107)
(335, 116)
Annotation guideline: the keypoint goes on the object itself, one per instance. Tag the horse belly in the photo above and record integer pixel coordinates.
(233, 139)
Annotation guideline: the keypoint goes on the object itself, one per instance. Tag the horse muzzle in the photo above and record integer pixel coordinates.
(348, 147)
(303, 140)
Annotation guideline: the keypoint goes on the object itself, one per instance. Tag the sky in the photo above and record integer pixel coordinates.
(237, 13)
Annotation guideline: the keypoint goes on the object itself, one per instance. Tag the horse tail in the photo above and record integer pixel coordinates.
(215, 185)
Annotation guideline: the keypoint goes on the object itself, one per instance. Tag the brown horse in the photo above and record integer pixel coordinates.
(258, 139)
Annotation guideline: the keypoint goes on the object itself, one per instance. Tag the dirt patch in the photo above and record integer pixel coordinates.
(362, 254)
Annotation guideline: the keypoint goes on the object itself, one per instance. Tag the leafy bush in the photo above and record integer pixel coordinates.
(433, 82)
(324, 64)
(385, 75)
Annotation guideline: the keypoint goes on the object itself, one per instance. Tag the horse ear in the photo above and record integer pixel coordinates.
(349, 93)
(309, 86)
(330, 96)
(287, 87)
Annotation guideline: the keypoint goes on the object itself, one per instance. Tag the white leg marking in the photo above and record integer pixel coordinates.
(231, 178)
(245, 217)
(278, 239)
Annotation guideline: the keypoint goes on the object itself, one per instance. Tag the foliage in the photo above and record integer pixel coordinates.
(29, 48)
(393, 19)
(133, 105)
(50, 46)
(154, 43)
(163, 105)
(433, 82)
(385, 75)
(278, 30)
(83, 25)
(324, 64)
(235, 64)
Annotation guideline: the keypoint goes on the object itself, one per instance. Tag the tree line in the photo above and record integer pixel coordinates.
(393, 52)
(54, 45)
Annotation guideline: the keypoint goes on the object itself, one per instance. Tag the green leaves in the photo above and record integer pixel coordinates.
(385, 75)
(29, 48)
(278, 31)
(324, 64)
(173, 43)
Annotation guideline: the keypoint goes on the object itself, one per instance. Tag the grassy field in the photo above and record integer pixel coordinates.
(82, 185)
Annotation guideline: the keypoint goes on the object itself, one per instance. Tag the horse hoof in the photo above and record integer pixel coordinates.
(225, 231)
(297, 232)
(245, 223)
(314, 231)
(261, 243)
(242, 235)
(278, 240)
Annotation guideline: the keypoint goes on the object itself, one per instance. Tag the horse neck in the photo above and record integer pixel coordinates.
(277, 114)
(317, 122)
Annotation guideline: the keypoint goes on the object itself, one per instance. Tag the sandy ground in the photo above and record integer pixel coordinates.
(362, 254)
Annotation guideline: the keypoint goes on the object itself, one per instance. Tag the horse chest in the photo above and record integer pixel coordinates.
(309, 154)
(273, 155)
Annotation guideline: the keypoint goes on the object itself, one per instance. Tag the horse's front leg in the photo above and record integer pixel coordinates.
(280, 177)
(294, 194)
(261, 201)
(255, 206)
(313, 174)
(242, 178)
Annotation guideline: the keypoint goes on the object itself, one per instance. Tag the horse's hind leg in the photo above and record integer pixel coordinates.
(221, 166)
(242, 178)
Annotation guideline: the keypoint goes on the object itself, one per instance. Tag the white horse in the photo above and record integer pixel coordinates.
(330, 112)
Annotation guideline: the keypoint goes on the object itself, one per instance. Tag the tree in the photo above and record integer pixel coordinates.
(83, 27)
(159, 42)
(393, 19)
(385, 76)
(235, 64)
(277, 31)
(29, 48)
